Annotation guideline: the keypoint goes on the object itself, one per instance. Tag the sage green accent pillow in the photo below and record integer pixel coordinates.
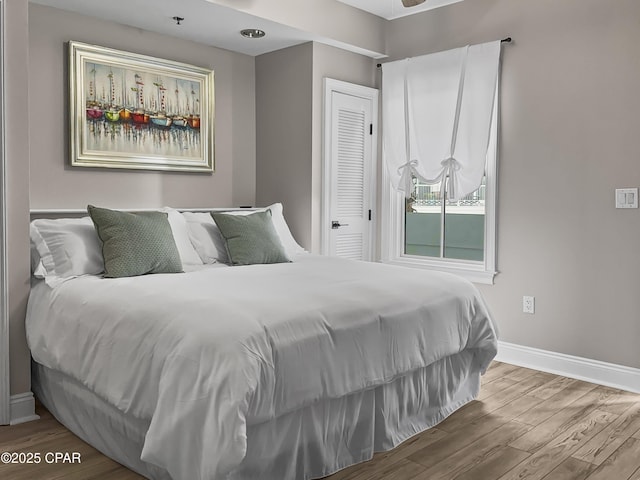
(135, 243)
(250, 239)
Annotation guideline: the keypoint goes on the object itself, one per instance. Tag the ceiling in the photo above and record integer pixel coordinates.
(204, 22)
(209, 22)
(391, 9)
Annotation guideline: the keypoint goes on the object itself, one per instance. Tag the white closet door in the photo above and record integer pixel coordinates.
(349, 174)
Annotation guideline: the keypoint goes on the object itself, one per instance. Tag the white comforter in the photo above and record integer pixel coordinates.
(203, 354)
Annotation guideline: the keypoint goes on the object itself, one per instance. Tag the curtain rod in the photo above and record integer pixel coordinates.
(504, 40)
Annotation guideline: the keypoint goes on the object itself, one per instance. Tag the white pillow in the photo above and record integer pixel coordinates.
(65, 247)
(288, 242)
(205, 237)
(209, 243)
(178, 223)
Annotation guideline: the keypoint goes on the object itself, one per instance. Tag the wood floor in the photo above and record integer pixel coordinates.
(525, 425)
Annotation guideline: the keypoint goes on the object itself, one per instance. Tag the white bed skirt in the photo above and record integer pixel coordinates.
(312, 442)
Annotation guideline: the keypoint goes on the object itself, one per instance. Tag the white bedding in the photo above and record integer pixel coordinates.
(205, 354)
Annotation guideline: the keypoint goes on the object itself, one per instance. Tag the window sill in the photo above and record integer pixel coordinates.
(475, 273)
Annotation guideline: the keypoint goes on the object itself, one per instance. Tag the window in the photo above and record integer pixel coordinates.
(413, 235)
(437, 227)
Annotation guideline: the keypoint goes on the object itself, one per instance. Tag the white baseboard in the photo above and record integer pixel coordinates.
(23, 408)
(594, 371)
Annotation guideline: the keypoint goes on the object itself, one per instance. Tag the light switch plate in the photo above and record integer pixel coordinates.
(626, 198)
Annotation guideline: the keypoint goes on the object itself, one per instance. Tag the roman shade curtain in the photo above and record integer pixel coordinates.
(437, 113)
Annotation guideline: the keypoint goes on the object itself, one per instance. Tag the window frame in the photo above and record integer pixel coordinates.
(393, 231)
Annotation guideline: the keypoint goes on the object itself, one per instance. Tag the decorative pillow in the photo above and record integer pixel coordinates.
(250, 239)
(65, 248)
(135, 243)
(209, 243)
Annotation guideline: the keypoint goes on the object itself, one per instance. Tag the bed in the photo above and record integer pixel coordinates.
(288, 370)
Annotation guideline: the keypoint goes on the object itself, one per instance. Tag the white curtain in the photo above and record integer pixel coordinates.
(437, 114)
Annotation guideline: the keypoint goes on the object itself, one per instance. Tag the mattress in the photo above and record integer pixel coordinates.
(208, 359)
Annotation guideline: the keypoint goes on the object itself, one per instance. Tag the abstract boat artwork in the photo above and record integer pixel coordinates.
(134, 111)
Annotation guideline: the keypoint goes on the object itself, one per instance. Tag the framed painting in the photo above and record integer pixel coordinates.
(139, 112)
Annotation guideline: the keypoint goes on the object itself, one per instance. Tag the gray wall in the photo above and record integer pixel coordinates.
(569, 137)
(289, 96)
(284, 119)
(55, 185)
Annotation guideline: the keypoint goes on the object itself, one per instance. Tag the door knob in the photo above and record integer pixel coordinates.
(336, 224)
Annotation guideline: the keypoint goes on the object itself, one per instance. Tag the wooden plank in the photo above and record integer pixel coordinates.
(400, 470)
(494, 388)
(554, 386)
(349, 472)
(120, 473)
(517, 407)
(66, 443)
(556, 451)
(414, 444)
(557, 424)
(494, 402)
(571, 469)
(563, 398)
(617, 401)
(499, 462)
(523, 373)
(26, 442)
(93, 465)
(8, 435)
(598, 449)
(460, 460)
(386, 459)
(636, 475)
(621, 464)
(441, 450)
(497, 370)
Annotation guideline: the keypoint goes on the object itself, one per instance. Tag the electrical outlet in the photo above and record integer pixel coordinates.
(528, 304)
